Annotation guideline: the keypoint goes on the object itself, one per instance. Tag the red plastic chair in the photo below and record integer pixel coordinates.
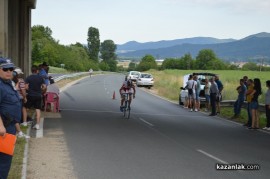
(52, 99)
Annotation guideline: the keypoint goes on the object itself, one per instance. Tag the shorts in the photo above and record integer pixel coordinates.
(254, 105)
(207, 98)
(197, 97)
(33, 101)
(191, 96)
(219, 98)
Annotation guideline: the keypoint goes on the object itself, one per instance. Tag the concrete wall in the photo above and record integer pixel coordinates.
(15, 31)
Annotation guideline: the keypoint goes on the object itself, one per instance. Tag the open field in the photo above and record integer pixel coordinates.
(168, 82)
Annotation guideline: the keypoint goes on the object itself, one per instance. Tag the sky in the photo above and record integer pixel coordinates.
(152, 20)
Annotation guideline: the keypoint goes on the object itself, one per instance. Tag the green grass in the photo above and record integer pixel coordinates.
(168, 82)
(57, 70)
(17, 161)
(227, 112)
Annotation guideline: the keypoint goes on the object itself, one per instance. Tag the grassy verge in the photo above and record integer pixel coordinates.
(17, 161)
(168, 83)
(227, 112)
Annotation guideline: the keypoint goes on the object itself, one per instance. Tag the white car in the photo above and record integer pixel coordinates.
(133, 75)
(184, 92)
(145, 79)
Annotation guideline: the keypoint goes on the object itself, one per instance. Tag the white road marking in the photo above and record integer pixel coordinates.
(148, 123)
(212, 156)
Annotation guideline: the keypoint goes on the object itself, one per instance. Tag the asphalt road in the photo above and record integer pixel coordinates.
(160, 140)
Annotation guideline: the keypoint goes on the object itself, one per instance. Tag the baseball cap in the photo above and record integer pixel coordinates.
(18, 70)
(6, 63)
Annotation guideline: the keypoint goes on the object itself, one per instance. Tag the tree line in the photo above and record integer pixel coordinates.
(101, 55)
(205, 60)
(75, 57)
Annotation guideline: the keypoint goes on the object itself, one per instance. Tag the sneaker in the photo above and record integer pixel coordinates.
(206, 110)
(185, 107)
(191, 110)
(24, 124)
(196, 110)
(36, 127)
(268, 129)
(265, 128)
(21, 135)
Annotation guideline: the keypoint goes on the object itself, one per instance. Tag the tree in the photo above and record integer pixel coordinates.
(39, 32)
(107, 50)
(205, 59)
(187, 62)
(250, 66)
(131, 66)
(148, 62)
(93, 43)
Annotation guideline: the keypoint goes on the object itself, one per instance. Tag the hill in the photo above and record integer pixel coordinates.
(251, 47)
(133, 45)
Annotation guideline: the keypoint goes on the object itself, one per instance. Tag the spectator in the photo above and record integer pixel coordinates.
(242, 89)
(35, 85)
(187, 100)
(254, 105)
(245, 78)
(90, 72)
(191, 84)
(213, 96)
(267, 106)
(19, 85)
(249, 99)
(10, 110)
(219, 95)
(207, 94)
(197, 93)
(43, 72)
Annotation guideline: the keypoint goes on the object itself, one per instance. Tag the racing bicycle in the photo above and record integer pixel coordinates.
(126, 108)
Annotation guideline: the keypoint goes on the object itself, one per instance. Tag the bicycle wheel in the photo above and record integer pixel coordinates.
(128, 112)
(125, 109)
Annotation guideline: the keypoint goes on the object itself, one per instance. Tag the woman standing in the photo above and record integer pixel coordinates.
(267, 106)
(257, 90)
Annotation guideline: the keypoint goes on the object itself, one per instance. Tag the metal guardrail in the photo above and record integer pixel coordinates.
(56, 79)
(230, 103)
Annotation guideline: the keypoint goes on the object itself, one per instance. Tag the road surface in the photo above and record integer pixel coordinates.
(160, 140)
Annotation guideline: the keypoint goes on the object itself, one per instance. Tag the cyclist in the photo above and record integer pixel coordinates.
(127, 87)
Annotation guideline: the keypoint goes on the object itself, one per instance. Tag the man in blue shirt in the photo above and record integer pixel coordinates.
(43, 72)
(10, 110)
(219, 95)
(242, 89)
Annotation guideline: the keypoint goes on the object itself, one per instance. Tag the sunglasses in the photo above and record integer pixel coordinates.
(8, 69)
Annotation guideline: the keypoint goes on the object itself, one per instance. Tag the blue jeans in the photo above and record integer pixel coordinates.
(237, 106)
(5, 160)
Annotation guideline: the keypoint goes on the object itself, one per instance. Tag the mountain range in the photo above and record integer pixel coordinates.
(253, 47)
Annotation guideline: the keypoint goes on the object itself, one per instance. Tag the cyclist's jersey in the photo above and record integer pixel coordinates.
(125, 88)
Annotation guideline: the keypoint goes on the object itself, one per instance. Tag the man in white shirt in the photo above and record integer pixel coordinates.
(191, 85)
